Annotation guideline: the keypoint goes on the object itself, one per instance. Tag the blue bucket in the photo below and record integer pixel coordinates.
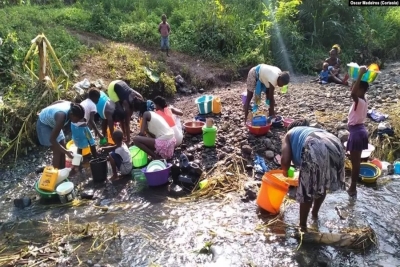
(204, 104)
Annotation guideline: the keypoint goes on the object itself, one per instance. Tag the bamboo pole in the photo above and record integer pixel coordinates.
(42, 58)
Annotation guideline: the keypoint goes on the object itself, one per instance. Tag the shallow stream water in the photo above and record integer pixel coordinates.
(155, 231)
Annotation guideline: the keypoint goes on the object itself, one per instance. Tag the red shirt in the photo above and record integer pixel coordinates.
(167, 115)
(164, 29)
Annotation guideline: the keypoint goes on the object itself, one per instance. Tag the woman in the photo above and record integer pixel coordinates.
(49, 128)
(264, 78)
(168, 113)
(120, 92)
(161, 141)
(108, 111)
(334, 66)
(320, 156)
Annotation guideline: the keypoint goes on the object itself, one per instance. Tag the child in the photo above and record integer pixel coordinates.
(81, 134)
(160, 141)
(324, 75)
(120, 157)
(358, 139)
(165, 31)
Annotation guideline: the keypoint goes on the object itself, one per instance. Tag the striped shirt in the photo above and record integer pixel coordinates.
(48, 114)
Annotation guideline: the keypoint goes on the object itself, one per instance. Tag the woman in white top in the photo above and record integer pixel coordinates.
(156, 137)
(264, 78)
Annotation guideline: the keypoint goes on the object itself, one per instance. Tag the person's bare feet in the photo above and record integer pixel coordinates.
(352, 192)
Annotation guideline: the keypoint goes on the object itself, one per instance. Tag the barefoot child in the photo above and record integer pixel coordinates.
(358, 139)
(164, 30)
(120, 157)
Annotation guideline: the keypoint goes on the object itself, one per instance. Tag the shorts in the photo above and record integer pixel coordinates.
(124, 168)
(251, 80)
(82, 136)
(44, 133)
(165, 148)
(165, 42)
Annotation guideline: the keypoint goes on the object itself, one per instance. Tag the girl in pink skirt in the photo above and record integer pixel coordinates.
(358, 139)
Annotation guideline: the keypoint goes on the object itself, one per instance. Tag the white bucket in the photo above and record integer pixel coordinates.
(66, 192)
(76, 161)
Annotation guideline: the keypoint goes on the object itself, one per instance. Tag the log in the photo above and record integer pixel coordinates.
(354, 239)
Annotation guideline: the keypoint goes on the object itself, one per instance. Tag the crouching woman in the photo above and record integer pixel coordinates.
(156, 137)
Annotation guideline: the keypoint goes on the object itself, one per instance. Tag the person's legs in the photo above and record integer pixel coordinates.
(334, 79)
(162, 43)
(304, 210)
(355, 158)
(104, 125)
(115, 162)
(317, 205)
(167, 45)
(146, 144)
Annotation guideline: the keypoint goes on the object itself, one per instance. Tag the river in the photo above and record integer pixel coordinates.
(151, 230)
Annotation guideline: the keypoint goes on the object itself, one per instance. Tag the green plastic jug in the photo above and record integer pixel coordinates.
(209, 136)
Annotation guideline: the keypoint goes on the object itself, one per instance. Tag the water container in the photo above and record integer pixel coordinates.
(209, 136)
(259, 120)
(72, 147)
(63, 174)
(272, 193)
(109, 137)
(244, 97)
(204, 104)
(139, 157)
(99, 169)
(48, 180)
(397, 167)
(66, 192)
(216, 105)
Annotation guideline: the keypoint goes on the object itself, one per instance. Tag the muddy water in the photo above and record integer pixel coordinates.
(155, 230)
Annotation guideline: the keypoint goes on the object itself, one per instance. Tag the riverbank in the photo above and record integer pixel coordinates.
(143, 227)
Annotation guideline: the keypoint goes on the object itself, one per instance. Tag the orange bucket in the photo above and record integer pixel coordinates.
(272, 193)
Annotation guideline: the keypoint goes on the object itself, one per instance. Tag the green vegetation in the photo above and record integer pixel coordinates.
(292, 34)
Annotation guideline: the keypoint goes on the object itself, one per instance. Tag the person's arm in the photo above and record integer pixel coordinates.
(92, 124)
(169, 29)
(286, 157)
(159, 28)
(145, 119)
(271, 97)
(177, 112)
(108, 148)
(247, 104)
(127, 121)
(60, 118)
(355, 88)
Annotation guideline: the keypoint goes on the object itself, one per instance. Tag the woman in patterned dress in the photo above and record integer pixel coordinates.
(320, 156)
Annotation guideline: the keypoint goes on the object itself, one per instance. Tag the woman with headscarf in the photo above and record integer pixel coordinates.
(320, 156)
(334, 66)
(49, 128)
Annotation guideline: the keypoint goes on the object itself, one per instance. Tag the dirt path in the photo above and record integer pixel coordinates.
(194, 70)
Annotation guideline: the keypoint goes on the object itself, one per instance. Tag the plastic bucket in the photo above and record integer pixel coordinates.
(99, 169)
(72, 147)
(204, 104)
(66, 192)
(368, 77)
(216, 105)
(272, 193)
(158, 177)
(397, 167)
(76, 161)
(209, 136)
(244, 97)
(139, 157)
